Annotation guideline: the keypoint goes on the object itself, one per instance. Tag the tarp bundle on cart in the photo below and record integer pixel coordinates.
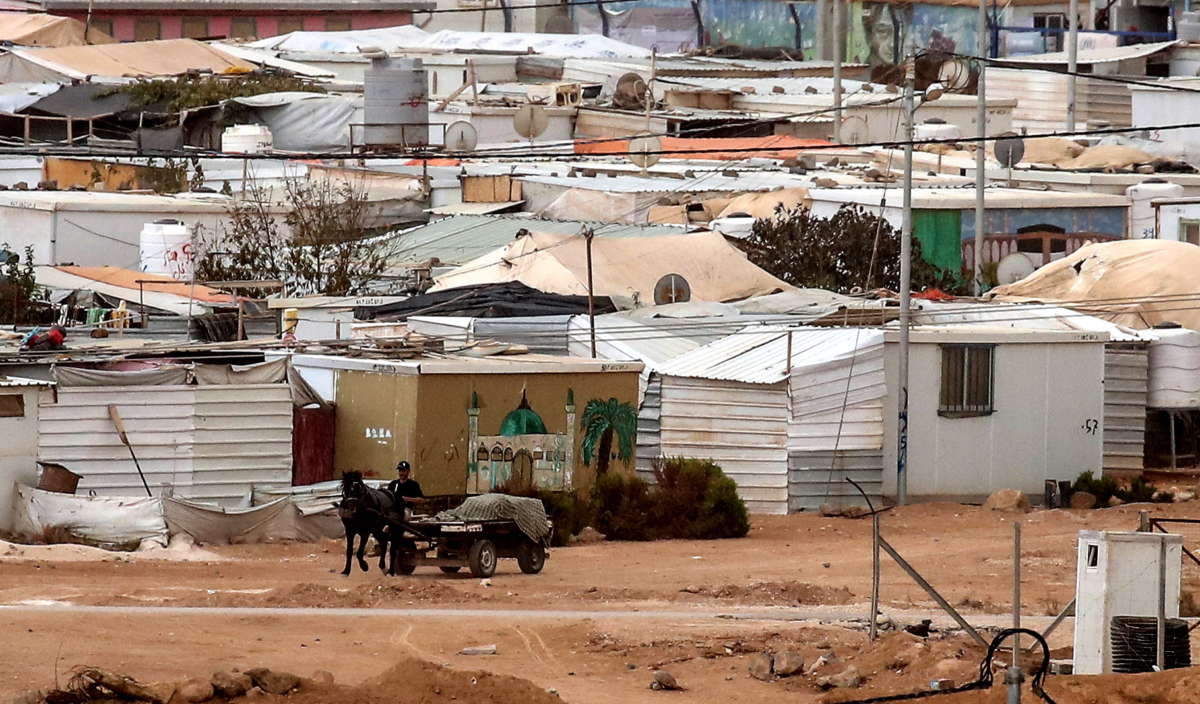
(529, 514)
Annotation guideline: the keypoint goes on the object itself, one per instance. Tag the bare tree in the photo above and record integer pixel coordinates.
(315, 237)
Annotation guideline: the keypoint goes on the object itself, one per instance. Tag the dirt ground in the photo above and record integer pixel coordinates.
(593, 626)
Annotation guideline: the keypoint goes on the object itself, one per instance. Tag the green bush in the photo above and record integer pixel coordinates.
(622, 507)
(691, 499)
(1104, 488)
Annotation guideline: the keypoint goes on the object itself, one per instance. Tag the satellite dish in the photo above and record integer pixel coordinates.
(645, 150)
(630, 91)
(1009, 150)
(672, 288)
(461, 136)
(530, 121)
(559, 23)
(1013, 268)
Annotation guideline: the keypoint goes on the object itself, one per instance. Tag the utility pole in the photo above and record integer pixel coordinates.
(1072, 63)
(589, 234)
(905, 292)
(839, 50)
(981, 148)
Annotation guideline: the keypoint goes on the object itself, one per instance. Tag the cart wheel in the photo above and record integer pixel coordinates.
(531, 557)
(450, 569)
(482, 558)
(405, 563)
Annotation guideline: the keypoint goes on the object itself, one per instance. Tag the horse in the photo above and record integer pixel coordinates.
(364, 513)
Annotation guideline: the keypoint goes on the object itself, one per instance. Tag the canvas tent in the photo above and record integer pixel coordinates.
(579, 46)
(346, 42)
(624, 267)
(26, 29)
(1136, 283)
(116, 63)
(305, 122)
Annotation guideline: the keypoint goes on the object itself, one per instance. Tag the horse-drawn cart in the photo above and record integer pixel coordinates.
(451, 545)
(476, 535)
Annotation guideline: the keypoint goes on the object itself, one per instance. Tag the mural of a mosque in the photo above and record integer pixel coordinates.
(523, 453)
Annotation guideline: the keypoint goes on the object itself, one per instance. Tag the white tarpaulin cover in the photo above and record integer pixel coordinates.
(116, 520)
(15, 97)
(307, 122)
(277, 520)
(346, 42)
(166, 375)
(576, 46)
(622, 266)
(1135, 283)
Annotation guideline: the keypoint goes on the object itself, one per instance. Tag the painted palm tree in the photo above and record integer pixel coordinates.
(601, 421)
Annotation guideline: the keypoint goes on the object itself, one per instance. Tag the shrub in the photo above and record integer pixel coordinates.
(691, 499)
(622, 507)
(1104, 488)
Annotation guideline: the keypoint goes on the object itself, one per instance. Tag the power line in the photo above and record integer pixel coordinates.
(549, 156)
(1009, 63)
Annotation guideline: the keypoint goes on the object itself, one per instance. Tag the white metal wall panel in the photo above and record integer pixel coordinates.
(211, 443)
(742, 427)
(243, 439)
(819, 477)
(649, 443)
(78, 433)
(1125, 380)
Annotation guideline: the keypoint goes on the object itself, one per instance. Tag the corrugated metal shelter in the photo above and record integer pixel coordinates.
(461, 238)
(212, 443)
(787, 413)
(1126, 375)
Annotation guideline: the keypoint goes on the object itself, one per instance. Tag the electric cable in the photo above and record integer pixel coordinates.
(986, 677)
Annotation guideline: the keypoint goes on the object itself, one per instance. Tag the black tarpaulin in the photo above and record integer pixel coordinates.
(505, 300)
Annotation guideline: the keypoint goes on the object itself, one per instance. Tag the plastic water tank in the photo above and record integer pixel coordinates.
(1174, 363)
(246, 139)
(936, 130)
(396, 102)
(1142, 222)
(165, 247)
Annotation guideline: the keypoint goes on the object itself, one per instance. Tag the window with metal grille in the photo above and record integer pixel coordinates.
(1189, 231)
(967, 381)
(1055, 23)
(243, 28)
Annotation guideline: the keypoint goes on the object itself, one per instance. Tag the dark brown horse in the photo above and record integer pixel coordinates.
(364, 512)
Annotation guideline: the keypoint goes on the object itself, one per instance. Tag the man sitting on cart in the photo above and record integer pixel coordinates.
(404, 487)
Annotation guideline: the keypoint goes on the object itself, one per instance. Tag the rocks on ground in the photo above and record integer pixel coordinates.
(1083, 500)
(664, 680)
(1009, 500)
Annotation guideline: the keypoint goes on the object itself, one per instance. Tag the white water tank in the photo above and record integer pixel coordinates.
(396, 103)
(936, 130)
(1174, 367)
(1142, 222)
(165, 247)
(246, 139)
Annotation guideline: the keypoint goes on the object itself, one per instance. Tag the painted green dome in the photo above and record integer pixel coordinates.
(522, 420)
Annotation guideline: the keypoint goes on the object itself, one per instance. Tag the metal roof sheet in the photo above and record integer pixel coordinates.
(461, 238)
(758, 354)
(8, 382)
(742, 183)
(786, 85)
(1095, 56)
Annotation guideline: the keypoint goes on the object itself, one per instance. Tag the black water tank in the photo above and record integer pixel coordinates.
(1135, 643)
